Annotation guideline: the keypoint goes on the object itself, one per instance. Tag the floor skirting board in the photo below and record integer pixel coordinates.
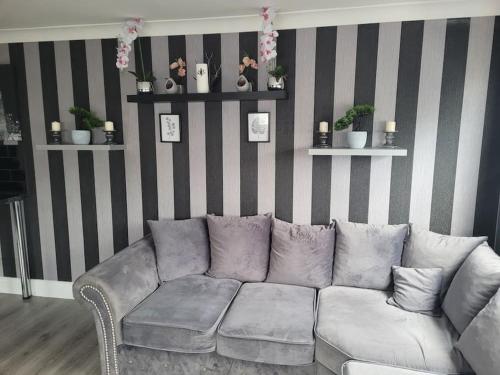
(39, 288)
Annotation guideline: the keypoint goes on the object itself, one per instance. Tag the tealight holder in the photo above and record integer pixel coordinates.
(110, 137)
(389, 139)
(56, 137)
(323, 140)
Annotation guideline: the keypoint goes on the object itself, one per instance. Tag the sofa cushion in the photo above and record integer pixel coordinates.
(301, 254)
(417, 289)
(239, 246)
(270, 323)
(473, 286)
(426, 249)
(480, 343)
(356, 323)
(182, 315)
(365, 253)
(366, 368)
(182, 247)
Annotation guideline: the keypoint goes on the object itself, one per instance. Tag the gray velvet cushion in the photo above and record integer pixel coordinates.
(270, 323)
(366, 368)
(239, 246)
(355, 323)
(473, 286)
(426, 249)
(182, 247)
(417, 289)
(480, 342)
(301, 254)
(182, 315)
(365, 253)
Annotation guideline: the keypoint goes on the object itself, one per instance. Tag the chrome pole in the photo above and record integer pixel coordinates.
(17, 210)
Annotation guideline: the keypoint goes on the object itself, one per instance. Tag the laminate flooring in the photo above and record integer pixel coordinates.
(48, 336)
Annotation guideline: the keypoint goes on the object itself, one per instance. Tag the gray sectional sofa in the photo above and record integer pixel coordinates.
(167, 306)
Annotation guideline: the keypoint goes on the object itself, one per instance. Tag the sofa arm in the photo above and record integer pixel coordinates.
(112, 289)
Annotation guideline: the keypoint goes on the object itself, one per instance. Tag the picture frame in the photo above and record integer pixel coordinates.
(259, 128)
(170, 128)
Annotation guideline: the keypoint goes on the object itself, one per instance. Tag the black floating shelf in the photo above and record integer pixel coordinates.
(210, 97)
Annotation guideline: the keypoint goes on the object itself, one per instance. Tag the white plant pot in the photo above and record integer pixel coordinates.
(275, 84)
(144, 87)
(202, 78)
(98, 136)
(171, 86)
(356, 139)
(80, 137)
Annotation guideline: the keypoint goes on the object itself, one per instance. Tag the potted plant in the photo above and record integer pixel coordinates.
(356, 138)
(277, 77)
(243, 83)
(91, 124)
(173, 85)
(144, 79)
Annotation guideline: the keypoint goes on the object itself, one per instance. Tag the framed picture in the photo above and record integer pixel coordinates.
(170, 128)
(258, 127)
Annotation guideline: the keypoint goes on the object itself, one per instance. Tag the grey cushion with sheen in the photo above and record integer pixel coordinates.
(182, 315)
(354, 323)
(239, 246)
(301, 254)
(365, 253)
(366, 368)
(182, 247)
(480, 342)
(270, 323)
(417, 289)
(426, 249)
(473, 286)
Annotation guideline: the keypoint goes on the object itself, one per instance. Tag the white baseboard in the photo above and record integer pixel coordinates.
(39, 288)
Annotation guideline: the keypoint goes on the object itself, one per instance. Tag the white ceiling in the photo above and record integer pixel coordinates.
(22, 20)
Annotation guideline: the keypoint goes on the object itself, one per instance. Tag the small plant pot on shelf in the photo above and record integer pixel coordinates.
(243, 85)
(98, 136)
(80, 137)
(274, 83)
(357, 139)
(144, 87)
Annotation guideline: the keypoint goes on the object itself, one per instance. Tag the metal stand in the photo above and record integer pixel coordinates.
(110, 137)
(323, 140)
(19, 233)
(56, 137)
(389, 139)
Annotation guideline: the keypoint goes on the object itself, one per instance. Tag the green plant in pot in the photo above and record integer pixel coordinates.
(277, 77)
(357, 137)
(144, 79)
(91, 124)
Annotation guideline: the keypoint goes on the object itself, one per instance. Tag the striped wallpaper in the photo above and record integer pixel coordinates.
(439, 79)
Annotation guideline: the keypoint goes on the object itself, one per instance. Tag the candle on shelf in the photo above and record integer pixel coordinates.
(56, 126)
(390, 126)
(323, 127)
(108, 126)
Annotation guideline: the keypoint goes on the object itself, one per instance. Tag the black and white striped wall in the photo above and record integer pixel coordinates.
(438, 79)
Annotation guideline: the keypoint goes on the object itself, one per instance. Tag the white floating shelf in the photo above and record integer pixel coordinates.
(367, 151)
(80, 147)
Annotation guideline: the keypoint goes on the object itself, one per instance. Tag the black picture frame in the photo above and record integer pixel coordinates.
(252, 135)
(164, 136)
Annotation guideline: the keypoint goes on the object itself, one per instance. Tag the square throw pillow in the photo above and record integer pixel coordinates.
(239, 246)
(301, 254)
(475, 282)
(426, 249)
(417, 290)
(182, 247)
(480, 343)
(365, 253)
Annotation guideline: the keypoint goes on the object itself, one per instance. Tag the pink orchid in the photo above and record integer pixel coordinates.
(174, 65)
(181, 62)
(181, 72)
(254, 65)
(246, 60)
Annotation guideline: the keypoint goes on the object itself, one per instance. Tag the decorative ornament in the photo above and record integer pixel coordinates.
(129, 33)
(269, 36)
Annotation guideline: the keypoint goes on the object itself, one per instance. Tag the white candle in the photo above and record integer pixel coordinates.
(56, 126)
(108, 126)
(323, 127)
(390, 126)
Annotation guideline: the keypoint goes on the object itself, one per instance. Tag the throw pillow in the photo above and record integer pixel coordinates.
(301, 254)
(182, 247)
(426, 249)
(417, 289)
(365, 253)
(479, 342)
(473, 286)
(239, 246)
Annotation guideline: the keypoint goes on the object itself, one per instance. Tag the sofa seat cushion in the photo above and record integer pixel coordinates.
(358, 324)
(366, 368)
(182, 315)
(270, 323)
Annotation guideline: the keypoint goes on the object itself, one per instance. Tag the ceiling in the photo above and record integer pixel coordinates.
(20, 18)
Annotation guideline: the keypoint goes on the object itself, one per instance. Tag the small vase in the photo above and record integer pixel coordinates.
(202, 79)
(80, 137)
(170, 86)
(98, 136)
(275, 84)
(144, 87)
(243, 85)
(357, 139)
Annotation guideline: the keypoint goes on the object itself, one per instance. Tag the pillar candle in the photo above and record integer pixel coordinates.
(56, 126)
(108, 126)
(390, 126)
(323, 127)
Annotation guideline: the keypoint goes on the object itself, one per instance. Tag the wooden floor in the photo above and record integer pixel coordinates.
(46, 336)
